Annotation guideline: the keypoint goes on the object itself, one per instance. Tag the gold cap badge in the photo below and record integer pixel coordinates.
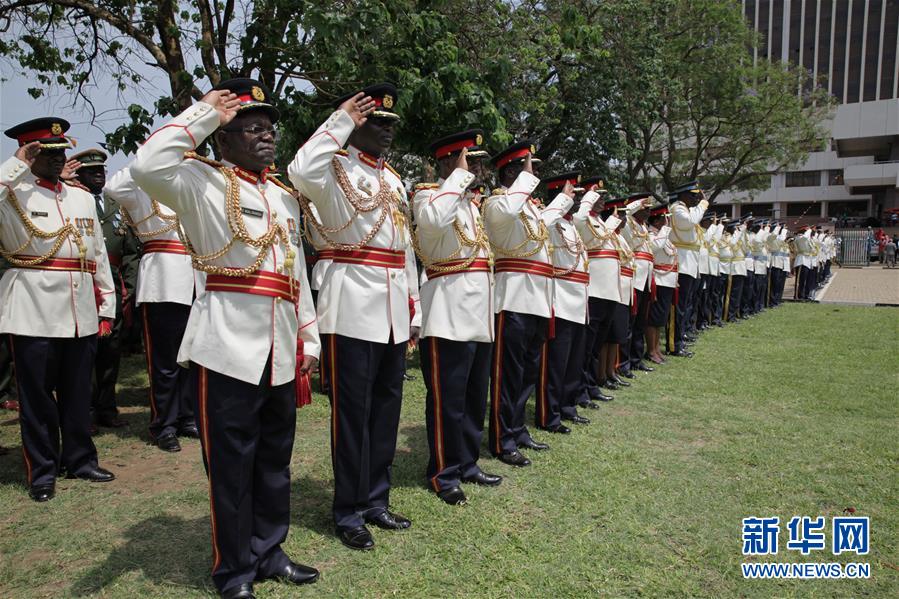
(388, 101)
(56, 129)
(479, 139)
(533, 149)
(257, 93)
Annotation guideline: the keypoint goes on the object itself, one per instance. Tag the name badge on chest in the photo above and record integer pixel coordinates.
(35, 214)
(252, 212)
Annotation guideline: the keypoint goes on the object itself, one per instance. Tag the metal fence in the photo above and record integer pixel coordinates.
(854, 246)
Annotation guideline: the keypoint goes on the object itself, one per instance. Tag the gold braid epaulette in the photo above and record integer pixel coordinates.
(76, 184)
(281, 184)
(274, 235)
(426, 186)
(393, 170)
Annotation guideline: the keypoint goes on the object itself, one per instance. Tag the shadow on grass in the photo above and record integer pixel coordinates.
(149, 549)
(310, 504)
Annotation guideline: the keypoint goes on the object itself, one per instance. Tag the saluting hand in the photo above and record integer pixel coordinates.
(69, 170)
(462, 160)
(225, 103)
(359, 107)
(29, 152)
(528, 164)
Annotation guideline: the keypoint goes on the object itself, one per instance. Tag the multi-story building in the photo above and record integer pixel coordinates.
(850, 48)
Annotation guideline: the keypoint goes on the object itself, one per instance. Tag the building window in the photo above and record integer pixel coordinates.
(847, 208)
(803, 178)
(835, 177)
(762, 210)
(798, 209)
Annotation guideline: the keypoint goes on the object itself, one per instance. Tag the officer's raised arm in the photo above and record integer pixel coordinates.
(158, 167)
(310, 166)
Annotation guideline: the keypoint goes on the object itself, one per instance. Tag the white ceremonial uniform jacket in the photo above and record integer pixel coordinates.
(161, 276)
(456, 305)
(322, 261)
(713, 240)
(521, 292)
(637, 237)
(725, 255)
(703, 262)
(804, 250)
(626, 269)
(598, 237)
(746, 248)
(572, 275)
(232, 333)
(665, 257)
(738, 245)
(685, 237)
(760, 250)
(784, 250)
(51, 303)
(358, 300)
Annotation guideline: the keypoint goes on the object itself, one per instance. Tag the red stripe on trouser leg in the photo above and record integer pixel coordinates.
(148, 349)
(542, 388)
(497, 381)
(207, 451)
(438, 414)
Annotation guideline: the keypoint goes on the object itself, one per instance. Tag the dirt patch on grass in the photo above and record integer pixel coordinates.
(142, 468)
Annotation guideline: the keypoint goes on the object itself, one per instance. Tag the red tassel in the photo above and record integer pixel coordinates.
(552, 324)
(303, 386)
(652, 287)
(633, 302)
(105, 327)
(675, 295)
(411, 308)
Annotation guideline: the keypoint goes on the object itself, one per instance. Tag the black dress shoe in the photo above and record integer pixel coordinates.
(452, 496)
(389, 521)
(682, 353)
(296, 574)
(241, 591)
(610, 385)
(578, 419)
(514, 458)
(590, 404)
(191, 431)
(356, 538)
(482, 478)
(621, 383)
(689, 338)
(42, 493)
(95, 475)
(168, 442)
(408, 377)
(643, 367)
(627, 374)
(112, 422)
(535, 445)
(559, 429)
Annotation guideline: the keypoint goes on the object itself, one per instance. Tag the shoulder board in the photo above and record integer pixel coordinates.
(76, 184)
(280, 184)
(499, 191)
(203, 159)
(422, 186)
(342, 153)
(393, 170)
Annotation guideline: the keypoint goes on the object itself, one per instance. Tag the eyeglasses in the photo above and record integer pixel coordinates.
(255, 131)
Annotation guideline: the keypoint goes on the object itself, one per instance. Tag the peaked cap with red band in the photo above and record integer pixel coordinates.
(473, 139)
(659, 208)
(253, 95)
(49, 131)
(384, 95)
(514, 153)
(559, 181)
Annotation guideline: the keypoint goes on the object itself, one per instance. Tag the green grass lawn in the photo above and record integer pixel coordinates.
(792, 413)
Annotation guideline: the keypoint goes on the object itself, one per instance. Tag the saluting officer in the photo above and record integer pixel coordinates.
(560, 383)
(252, 333)
(664, 272)
(687, 207)
(517, 228)
(364, 301)
(637, 236)
(123, 251)
(55, 299)
(166, 286)
(457, 325)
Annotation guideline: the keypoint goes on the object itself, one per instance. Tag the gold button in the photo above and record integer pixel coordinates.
(278, 300)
